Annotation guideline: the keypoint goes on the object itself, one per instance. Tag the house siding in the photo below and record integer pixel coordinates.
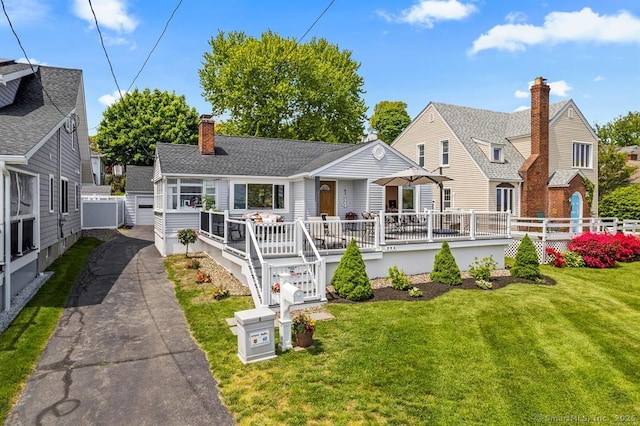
(365, 165)
(523, 145)
(44, 162)
(310, 197)
(562, 133)
(298, 202)
(8, 92)
(469, 185)
(222, 194)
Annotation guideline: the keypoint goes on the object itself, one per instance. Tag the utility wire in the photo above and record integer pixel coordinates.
(26, 57)
(316, 21)
(155, 45)
(105, 49)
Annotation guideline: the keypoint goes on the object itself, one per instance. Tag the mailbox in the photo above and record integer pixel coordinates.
(292, 294)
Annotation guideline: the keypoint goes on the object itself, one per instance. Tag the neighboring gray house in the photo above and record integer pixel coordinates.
(293, 179)
(44, 160)
(139, 195)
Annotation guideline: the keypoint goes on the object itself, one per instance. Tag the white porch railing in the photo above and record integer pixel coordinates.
(565, 228)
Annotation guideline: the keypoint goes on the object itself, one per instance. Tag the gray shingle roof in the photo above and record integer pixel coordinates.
(24, 123)
(245, 156)
(493, 127)
(563, 177)
(139, 178)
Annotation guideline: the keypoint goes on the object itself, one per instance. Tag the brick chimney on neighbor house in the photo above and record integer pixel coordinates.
(206, 135)
(535, 170)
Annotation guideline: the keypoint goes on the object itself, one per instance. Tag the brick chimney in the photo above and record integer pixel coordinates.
(206, 135)
(535, 170)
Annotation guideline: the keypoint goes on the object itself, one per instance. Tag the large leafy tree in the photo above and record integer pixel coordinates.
(389, 119)
(131, 127)
(274, 87)
(612, 168)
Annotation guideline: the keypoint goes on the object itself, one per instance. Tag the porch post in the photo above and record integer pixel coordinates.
(226, 225)
(321, 275)
(5, 191)
(474, 224)
(266, 284)
(430, 225)
(508, 223)
(383, 231)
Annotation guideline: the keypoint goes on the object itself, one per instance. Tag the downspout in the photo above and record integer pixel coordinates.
(60, 217)
(5, 182)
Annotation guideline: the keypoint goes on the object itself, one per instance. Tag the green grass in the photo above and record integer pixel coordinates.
(517, 355)
(24, 340)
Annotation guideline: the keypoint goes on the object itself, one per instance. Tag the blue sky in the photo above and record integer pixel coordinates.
(477, 53)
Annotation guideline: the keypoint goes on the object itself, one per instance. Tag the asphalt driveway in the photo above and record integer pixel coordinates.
(122, 353)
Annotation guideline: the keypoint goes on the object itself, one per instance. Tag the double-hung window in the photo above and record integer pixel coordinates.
(22, 206)
(582, 155)
(258, 196)
(420, 155)
(444, 153)
(446, 198)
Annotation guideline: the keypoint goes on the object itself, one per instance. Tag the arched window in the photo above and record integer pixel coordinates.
(504, 197)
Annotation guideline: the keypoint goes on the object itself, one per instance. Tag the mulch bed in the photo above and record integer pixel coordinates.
(432, 290)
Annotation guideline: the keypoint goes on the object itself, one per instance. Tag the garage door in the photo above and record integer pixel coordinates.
(144, 210)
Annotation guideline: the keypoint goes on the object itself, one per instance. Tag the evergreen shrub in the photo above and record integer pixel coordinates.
(445, 268)
(350, 280)
(526, 264)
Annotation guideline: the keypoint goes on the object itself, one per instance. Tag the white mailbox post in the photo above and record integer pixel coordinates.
(289, 295)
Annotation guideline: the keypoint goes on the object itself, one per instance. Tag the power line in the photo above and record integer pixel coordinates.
(315, 22)
(26, 57)
(155, 45)
(105, 49)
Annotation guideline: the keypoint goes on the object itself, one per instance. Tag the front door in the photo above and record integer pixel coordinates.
(327, 198)
(576, 211)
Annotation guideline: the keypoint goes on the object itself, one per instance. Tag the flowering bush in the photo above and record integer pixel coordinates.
(275, 288)
(203, 278)
(603, 250)
(303, 324)
(557, 257)
(221, 294)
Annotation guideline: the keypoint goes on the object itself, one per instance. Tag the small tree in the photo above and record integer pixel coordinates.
(445, 268)
(350, 279)
(186, 237)
(526, 264)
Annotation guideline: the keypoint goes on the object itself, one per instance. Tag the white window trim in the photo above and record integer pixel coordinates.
(501, 156)
(287, 189)
(444, 198)
(64, 179)
(418, 154)
(442, 164)
(573, 162)
(76, 194)
(52, 189)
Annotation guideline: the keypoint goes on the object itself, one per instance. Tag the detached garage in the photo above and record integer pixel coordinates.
(139, 195)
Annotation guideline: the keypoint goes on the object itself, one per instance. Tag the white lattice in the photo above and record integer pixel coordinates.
(540, 246)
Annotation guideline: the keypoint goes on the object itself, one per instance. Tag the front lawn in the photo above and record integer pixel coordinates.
(521, 354)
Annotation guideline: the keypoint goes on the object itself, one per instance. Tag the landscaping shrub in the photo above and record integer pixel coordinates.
(602, 250)
(573, 260)
(399, 280)
(350, 280)
(415, 292)
(445, 268)
(484, 284)
(557, 258)
(622, 202)
(482, 269)
(526, 264)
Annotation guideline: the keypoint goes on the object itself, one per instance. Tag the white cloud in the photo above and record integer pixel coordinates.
(111, 14)
(515, 17)
(109, 99)
(582, 26)
(522, 108)
(33, 61)
(25, 11)
(521, 94)
(560, 88)
(598, 78)
(427, 12)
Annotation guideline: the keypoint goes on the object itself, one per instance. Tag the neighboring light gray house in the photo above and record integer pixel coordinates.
(44, 160)
(290, 178)
(139, 195)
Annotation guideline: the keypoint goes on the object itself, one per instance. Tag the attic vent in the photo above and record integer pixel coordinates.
(570, 113)
(431, 117)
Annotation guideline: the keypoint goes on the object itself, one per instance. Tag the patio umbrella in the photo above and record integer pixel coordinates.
(411, 176)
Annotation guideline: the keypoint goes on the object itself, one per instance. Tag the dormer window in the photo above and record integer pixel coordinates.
(497, 154)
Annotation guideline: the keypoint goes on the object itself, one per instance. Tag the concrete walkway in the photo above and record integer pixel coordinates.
(122, 353)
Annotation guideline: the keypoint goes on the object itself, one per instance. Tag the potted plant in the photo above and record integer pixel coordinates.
(351, 215)
(303, 328)
(275, 293)
(208, 203)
